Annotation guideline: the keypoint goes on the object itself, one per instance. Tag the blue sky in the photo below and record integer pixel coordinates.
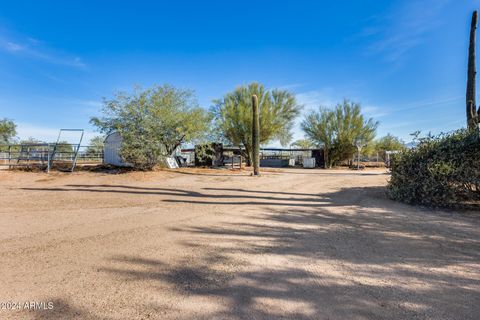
(403, 60)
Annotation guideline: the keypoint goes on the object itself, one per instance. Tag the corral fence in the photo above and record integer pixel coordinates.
(378, 159)
(217, 155)
(45, 156)
(233, 157)
(282, 157)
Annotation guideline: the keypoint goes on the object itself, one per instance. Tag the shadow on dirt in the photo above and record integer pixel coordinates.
(62, 309)
(371, 258)
(182, 195)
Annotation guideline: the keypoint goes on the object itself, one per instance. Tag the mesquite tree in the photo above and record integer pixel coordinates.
(472, 113)
(337, 129)
(255, 136)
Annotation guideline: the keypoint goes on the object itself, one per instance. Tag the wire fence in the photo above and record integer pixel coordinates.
(44, 155)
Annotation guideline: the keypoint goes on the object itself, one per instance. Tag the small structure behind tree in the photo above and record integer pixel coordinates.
(153, 123)
(111, 150)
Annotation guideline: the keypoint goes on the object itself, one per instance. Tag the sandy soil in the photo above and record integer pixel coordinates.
(207, 244)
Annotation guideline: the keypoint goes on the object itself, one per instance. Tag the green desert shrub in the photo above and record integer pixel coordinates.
(206, 154)
(441, 171)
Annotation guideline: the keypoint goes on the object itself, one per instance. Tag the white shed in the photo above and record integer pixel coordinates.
(111, 150)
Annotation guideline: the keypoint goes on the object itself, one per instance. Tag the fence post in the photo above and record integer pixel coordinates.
(48, 158)
(28, 157)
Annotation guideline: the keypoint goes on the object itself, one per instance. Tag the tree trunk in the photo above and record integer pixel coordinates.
(326, 158)
(472, 116)
(247, 155)
(255, 137)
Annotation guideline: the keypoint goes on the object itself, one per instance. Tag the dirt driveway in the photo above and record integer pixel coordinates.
(292, 244)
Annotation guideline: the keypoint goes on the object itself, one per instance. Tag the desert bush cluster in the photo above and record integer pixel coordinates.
(441, 171)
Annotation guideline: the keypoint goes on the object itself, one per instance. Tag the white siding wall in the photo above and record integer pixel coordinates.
(111, 150)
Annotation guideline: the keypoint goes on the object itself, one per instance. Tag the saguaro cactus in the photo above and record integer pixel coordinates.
(472, 113)
(255, 137)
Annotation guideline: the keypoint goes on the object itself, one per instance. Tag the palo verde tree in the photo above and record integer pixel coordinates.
(233, 116)
(302, 144)
(338, 129)
(387, 143)
(319, 126)
(472, 113)
(153, 122)
(8, 130)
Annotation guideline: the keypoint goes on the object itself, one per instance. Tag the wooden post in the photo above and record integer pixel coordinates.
(28, 157)
(255, 137)
(9, 157)
(48, 158)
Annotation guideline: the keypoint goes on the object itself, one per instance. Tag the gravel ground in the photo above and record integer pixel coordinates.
(210, 244)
